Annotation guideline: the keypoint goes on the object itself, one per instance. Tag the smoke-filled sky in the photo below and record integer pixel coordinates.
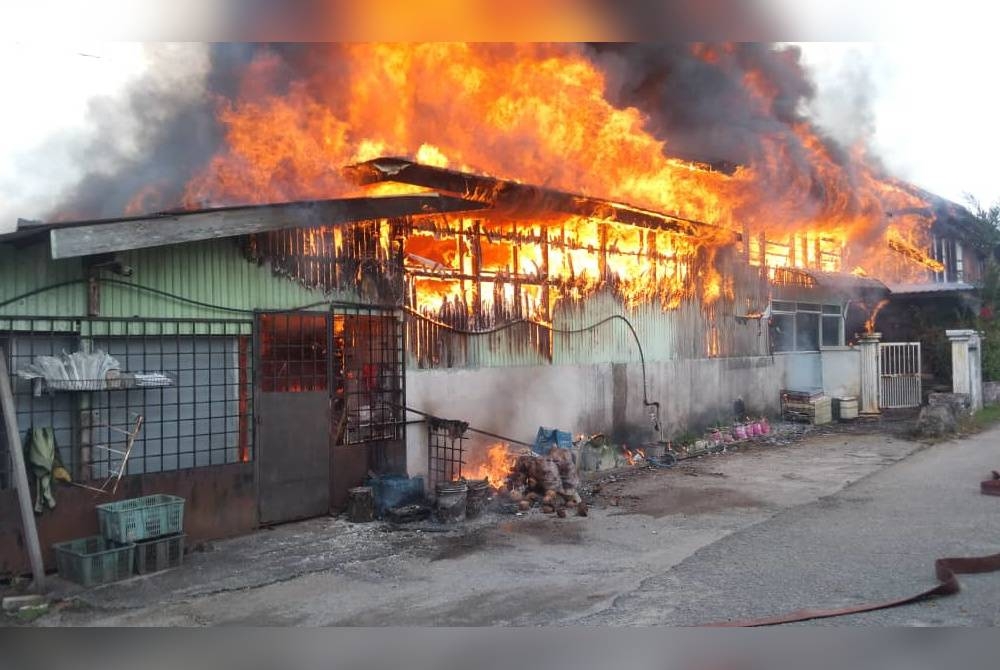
(925, 111)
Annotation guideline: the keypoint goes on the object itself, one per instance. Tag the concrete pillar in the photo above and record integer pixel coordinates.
(966, 366)
(870, 382)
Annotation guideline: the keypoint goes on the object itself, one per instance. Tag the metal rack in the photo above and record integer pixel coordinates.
(202, 418)
(445, 450)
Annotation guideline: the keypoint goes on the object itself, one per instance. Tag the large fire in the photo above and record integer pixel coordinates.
(539, 114)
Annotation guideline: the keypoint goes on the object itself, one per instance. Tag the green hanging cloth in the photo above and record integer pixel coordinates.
(41, 457)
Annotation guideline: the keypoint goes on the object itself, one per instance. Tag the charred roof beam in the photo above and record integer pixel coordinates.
(524, 200)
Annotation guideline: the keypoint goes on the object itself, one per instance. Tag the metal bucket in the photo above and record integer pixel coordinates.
(475, 500)
(451, 501)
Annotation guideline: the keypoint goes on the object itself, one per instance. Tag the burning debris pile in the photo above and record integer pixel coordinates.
(550, 481)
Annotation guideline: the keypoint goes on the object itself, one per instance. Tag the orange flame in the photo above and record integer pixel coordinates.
(497, 464)
(538, 113)
(634, 457)
(873, 315)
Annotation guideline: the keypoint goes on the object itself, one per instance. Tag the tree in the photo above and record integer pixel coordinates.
(988, 323)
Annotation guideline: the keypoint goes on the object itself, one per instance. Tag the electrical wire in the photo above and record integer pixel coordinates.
(563, 331)
(461, 331)
(180, 298)
(37, 291)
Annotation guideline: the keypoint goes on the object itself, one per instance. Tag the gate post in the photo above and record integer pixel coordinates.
(870, 379)
(966, 366)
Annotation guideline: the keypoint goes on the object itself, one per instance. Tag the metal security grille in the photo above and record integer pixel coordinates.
(355, 353)
(369, 376)
(5, 464)
(294, 352)
(202, 417)
(445, 450)
(899, 374)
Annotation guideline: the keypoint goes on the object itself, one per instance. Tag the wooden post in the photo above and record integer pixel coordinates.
(20, 475)
(93, 296)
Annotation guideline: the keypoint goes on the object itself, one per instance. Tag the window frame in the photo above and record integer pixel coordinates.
(822, 311)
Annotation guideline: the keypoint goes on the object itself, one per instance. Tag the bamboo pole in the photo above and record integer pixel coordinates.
(20, 476)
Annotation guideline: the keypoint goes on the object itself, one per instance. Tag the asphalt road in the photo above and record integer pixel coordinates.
(831, 520)
(873, 540)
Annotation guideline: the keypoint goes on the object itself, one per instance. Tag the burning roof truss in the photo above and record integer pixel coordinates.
(522, 200)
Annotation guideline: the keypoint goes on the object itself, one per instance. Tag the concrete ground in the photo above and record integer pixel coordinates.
(828, 520)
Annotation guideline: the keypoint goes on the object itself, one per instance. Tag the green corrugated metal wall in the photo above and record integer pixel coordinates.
(26, 269)
(213, 272)
(210, 272)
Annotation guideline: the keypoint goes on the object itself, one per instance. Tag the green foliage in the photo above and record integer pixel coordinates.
(686, 438)
(988, 324)
(934, 344)
(985, 237)
(981, 420)
(988, 320)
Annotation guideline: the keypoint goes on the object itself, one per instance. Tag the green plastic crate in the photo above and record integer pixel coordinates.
(94, 560)
(142, 518)
(159, 554)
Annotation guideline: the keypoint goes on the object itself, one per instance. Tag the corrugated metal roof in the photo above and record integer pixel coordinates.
(942, 287)
(839, 281)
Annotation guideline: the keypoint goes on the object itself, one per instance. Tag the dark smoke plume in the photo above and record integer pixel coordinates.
(154, 137)
(701, 100)
(721, 104)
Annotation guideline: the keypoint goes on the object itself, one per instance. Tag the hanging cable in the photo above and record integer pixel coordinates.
(184, 299)
(327, 303)
(563, 331)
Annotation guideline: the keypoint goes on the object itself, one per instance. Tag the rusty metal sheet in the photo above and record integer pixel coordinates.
(220, 501)
(293, 452)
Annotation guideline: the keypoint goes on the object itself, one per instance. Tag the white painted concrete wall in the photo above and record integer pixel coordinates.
(803, 370)
(592, 398)
(841, 372)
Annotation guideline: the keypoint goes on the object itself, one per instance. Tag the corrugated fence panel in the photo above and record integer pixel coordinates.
(688, 332)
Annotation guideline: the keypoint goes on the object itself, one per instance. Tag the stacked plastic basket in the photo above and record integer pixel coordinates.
(138, 536)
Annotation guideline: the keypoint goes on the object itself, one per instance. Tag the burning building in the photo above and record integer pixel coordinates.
(598, 283)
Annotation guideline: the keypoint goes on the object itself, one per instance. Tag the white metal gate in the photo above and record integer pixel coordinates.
(899, 374)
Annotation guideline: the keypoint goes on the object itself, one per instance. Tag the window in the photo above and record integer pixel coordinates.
(805, 326)
(833, 326)
(806, 331)
(783, 332)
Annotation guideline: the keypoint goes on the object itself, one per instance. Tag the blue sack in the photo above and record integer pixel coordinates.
(551, 437)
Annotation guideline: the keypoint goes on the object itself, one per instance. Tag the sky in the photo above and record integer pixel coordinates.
(934, 108)
(928, 111)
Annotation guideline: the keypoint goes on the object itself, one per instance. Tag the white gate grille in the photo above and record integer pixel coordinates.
(899, 374)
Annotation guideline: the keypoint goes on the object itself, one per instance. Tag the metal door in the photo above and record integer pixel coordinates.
(293, 414)
(899, 374)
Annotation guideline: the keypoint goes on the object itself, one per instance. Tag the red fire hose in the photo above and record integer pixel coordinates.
(946, 570)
